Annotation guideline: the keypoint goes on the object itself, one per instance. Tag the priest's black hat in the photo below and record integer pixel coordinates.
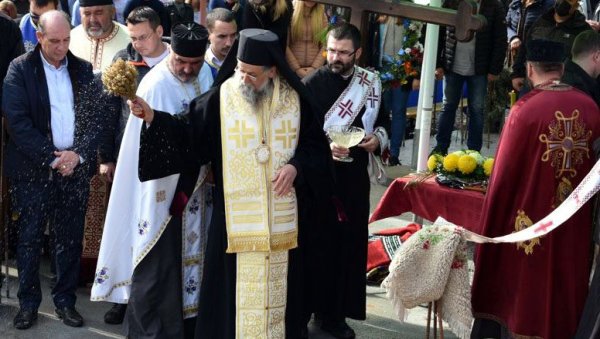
(90, 3)
(543, 50)
(189, 39)
(258, 47)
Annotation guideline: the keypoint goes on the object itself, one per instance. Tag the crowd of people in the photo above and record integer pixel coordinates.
(213, 203)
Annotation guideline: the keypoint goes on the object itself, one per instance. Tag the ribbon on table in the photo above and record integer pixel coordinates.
(586, 189)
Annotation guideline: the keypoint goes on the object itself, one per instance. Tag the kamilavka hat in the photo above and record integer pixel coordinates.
(256, 47)
(189, 39)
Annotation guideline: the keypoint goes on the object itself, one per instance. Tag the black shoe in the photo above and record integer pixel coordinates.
(439, 150)
(394, 161)
(24, 319)
(338, 329)
(115, 315)
(69, 316)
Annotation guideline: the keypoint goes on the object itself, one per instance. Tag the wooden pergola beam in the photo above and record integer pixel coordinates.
(465, 18)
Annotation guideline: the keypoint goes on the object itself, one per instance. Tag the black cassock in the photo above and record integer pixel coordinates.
(342, 245)
(175, 144)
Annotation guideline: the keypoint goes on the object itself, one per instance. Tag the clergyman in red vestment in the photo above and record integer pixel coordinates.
(537, 288)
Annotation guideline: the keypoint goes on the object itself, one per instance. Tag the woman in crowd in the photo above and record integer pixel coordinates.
(304, 53)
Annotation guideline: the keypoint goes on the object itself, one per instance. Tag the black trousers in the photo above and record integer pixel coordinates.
(61, 202)
(155, 303)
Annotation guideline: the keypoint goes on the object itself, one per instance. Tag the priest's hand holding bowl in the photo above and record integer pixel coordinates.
(369, 143)
(140, 109)
(338, 151)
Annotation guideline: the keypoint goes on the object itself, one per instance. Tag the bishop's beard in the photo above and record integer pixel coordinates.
(253, 96)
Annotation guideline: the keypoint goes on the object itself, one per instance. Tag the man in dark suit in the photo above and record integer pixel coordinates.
(53, 125)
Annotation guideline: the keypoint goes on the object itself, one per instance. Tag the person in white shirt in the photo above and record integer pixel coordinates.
(222, 29)
(53, 123)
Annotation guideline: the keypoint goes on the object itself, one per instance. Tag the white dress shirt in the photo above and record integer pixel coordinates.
(62, 112)
(212, 58)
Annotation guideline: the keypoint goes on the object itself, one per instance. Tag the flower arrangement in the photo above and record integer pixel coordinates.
(407, 62)
(467, 166)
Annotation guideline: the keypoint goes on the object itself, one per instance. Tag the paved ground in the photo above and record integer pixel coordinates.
(381, 321)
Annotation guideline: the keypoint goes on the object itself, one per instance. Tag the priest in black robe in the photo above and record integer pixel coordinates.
(225, 135)
(350, 96)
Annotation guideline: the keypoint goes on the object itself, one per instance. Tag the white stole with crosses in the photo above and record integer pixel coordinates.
(364, 90)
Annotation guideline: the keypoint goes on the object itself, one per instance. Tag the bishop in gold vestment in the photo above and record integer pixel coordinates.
(269, 159)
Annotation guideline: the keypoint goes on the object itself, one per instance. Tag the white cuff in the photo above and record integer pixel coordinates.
(381, 134)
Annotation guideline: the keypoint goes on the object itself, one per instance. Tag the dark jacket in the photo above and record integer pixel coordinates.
(577, 77)
(532, 13)
(11, 46)
(490, 43)
(26, 107)
(547, 28)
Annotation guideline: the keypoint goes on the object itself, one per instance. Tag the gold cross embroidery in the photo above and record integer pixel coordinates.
(566, 143)
(286, 134)
(241, 134)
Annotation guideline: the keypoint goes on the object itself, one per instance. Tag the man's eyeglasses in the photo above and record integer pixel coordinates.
(141, 38)
(345, 54)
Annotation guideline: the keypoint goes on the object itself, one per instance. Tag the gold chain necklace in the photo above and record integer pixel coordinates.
(263, 152)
